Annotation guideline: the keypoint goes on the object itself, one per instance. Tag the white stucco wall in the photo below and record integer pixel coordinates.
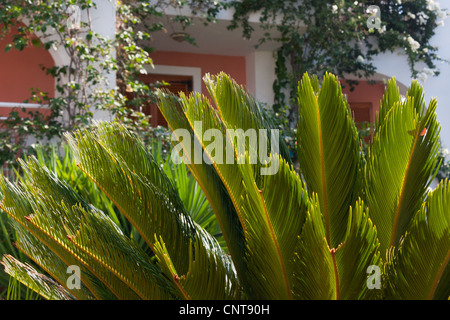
(439, 86)
(260, 66)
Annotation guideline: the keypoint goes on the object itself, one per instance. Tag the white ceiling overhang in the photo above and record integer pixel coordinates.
(213, 38)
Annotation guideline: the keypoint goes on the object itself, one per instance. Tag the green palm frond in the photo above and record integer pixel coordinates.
(34, 280)
(135, 195)
(336, 273)
(48, 261)
(239, 110)
(58, 207)
(65, 168)
(246, 188)
(143, 193)
(194, 284)
(390, 97)
(235, 226)
(358, 252)
(314, 278)
(421, 268)
(208, 179)
(328, 151)
(18, 203)
(400, 167)
(100, 240)
(194, 200)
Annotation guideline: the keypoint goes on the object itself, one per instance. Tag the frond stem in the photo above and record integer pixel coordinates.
(336, 273)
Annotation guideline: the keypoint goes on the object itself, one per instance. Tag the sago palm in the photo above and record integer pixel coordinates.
(319, 232)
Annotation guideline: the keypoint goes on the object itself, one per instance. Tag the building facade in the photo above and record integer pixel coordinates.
(218, 49)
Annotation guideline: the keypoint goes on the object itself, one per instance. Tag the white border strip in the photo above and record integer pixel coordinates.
(22, 105)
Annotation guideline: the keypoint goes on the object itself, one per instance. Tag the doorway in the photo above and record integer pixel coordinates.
(177, 84)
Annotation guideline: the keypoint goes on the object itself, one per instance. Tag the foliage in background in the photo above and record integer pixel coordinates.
(319, 36)
(78, 84)
(82, 85)
(336, 39)
(444, 169)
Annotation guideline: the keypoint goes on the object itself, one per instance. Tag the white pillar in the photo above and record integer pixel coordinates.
(260, 74)
(104, 23)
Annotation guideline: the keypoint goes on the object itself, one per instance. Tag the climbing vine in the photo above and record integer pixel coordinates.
(314, 36)
(342, 36)
(82, 84)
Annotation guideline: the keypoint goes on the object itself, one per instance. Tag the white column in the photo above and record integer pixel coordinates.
(104, 23)
(260, 75)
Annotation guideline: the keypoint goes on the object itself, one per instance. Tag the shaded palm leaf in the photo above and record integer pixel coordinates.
(48, 261)
(34, 280)
(18, 203)
(421, 268)
(329, 273)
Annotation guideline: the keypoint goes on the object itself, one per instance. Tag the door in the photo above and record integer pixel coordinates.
(176, 84)
(362, 111)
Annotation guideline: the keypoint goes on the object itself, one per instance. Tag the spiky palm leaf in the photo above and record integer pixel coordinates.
(307, 235)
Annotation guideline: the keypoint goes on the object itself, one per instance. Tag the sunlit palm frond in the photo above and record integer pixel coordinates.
(390, 97)
(328, 151)
(143, 193)
(261, 224)
(400, 166)
(318, 233)
(208, 179)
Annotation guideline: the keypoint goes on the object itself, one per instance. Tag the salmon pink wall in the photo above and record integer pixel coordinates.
(365, 92)
(21, 70)
(213, 64)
